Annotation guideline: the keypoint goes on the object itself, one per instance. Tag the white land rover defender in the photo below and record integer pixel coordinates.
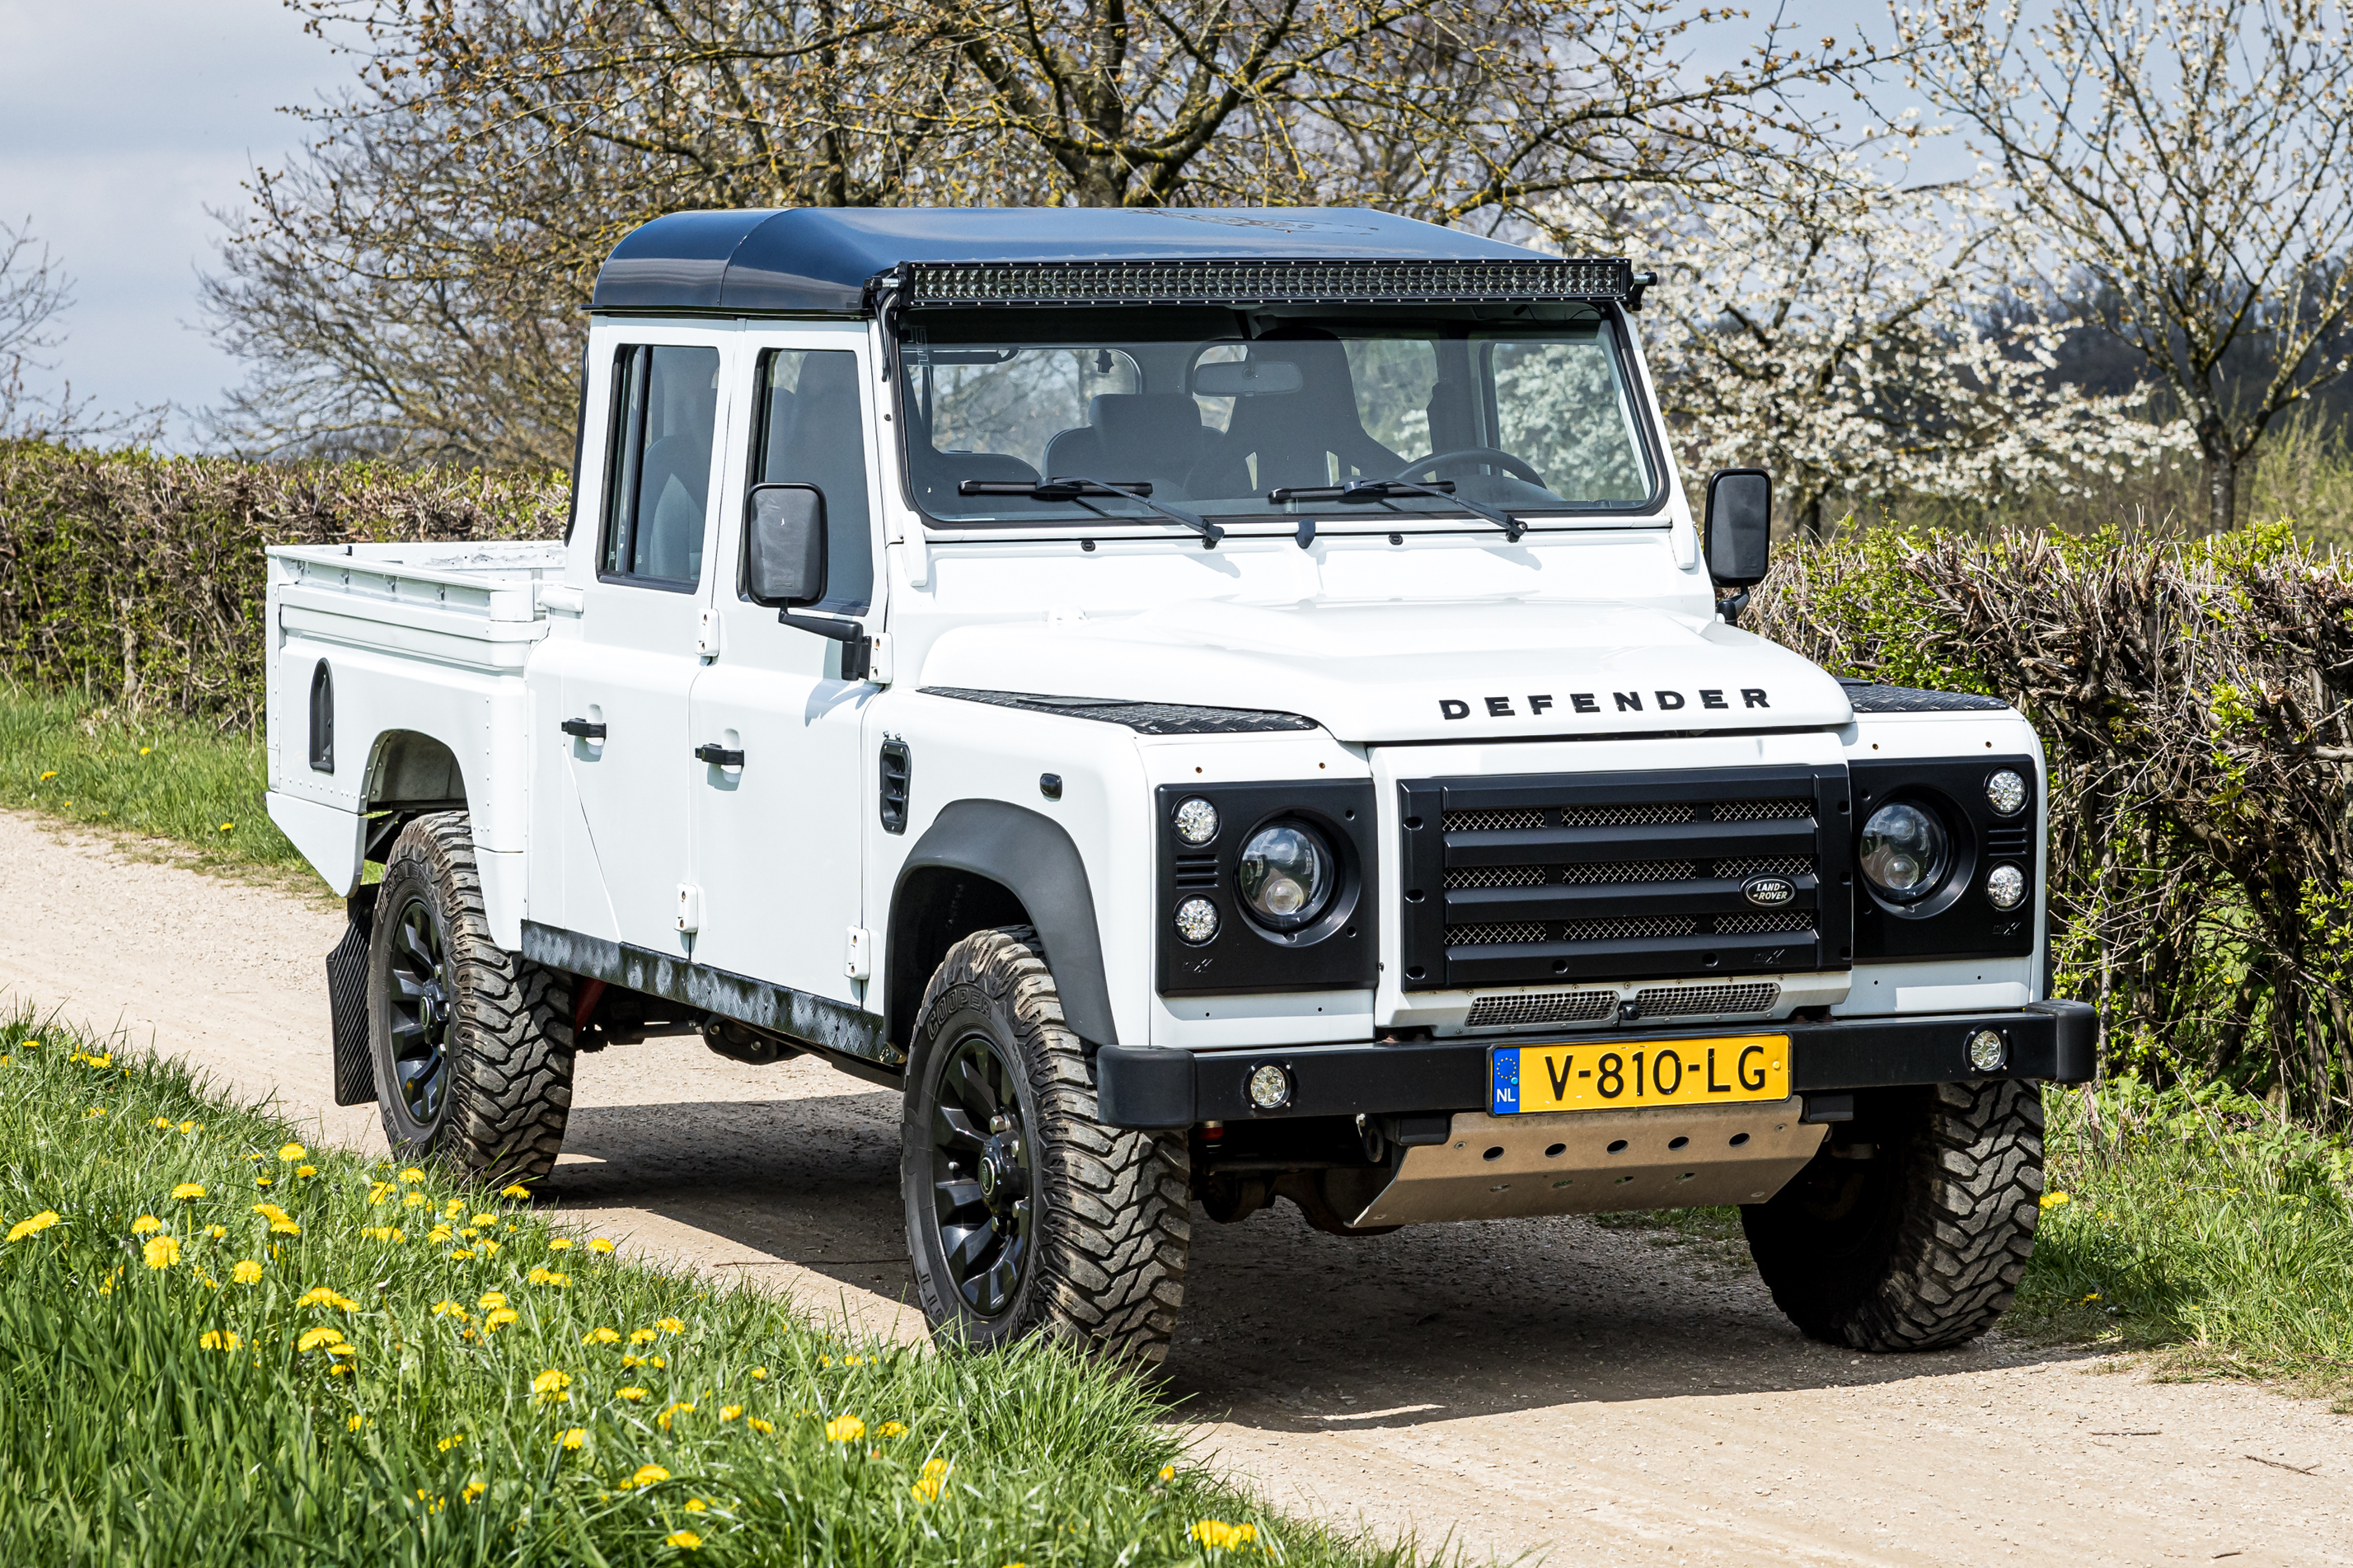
(1212, 706)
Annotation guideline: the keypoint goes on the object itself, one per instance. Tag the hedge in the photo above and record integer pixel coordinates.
(2192, 699)
(139, 579)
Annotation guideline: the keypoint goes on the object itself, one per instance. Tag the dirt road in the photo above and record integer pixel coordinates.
(1550, 1387)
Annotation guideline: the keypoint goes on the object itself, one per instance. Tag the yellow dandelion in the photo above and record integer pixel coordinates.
(729, 1411)
(2052, 1200)
(224, 827)
(892, 1429)
(663, 1419)
(927, 1485)
(491, 1300)
(306, 1169)
(844, 1430)
(631, 1395)
(547, 1276)
(93, 1110)
(451, 1441)
(1220, 1536)
(600, 1245)
(187, 1191)
(322, 1295)
(759, 1374)
(472, 1489)
(289, 1152)
(161, 1252)
(684, 1540)
(575, 1438)
(216, 1232)
(1167, 1472)
(757, 1424)
(648, 1475)
(695, 1505)
(451, 1310)
(642, 1336)
(247, 1272)
(453, 1208)
(217, 1339)
(316, 1339)
(551, 1382)
(145, 1224)
(669, 1326)
(439, 1234)
(190, 1127)
(414, 1200)
(500, 1319)
(561, 1244)
(354, 1423)
(487, 1247)
(47, 776)
(514, 1190)
(163, 1122)
(600, 1337)
(412, 1175)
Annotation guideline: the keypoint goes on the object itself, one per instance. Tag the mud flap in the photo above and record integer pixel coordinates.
(347, 1003)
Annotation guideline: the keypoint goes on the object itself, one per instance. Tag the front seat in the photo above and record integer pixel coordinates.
(1297, 437)
(1154, 438)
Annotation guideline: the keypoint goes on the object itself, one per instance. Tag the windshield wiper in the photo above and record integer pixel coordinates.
(1358, 491)
(1076, 490)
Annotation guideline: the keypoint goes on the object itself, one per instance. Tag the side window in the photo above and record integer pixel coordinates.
(657, 473)
(808, 431)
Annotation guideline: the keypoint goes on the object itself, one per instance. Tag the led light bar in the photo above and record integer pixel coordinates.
(929, 283)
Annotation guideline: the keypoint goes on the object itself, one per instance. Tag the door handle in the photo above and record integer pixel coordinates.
(584, 729)
(718, 756)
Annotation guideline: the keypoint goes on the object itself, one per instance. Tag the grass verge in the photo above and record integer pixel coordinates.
(145, 777)
(218, 1347)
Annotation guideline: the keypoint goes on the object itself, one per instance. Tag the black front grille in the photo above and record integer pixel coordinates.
(1543, 879)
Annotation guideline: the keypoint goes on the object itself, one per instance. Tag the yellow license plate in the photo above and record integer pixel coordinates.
(1620, 1074)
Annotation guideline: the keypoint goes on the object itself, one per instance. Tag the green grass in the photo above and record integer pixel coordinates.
(154, 777)
(2193, 1223)
(437, 1435)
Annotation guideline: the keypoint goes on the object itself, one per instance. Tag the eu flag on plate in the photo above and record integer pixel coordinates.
(1507, 1062)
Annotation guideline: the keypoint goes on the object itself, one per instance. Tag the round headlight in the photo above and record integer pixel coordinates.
(1196, 821)
(2005, 886)
(1196, 920)
(1987, 1050)
(2006, 792)
(1904, 850)
(1269, 1087)
(1285, 875)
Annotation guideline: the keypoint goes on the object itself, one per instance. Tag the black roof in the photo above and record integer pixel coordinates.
(802, 260)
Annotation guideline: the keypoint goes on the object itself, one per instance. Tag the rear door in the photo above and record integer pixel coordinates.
(777, 838)
(624, 682)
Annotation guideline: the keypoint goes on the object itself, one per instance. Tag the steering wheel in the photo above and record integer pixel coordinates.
(1512, 466)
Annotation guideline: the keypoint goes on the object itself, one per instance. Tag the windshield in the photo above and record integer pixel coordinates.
(1228, 414)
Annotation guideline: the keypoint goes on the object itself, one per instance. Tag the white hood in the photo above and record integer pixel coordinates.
(1422, 671)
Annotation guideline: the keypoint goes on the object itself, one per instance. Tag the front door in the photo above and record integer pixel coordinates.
(778, 839)
(624, 683)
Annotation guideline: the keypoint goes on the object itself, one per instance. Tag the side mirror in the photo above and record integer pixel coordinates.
(1739, 526)
(784, 545)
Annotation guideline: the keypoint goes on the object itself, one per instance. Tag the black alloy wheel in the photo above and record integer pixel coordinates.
(419, 1005)
(984, 1170)
(1026, 1213)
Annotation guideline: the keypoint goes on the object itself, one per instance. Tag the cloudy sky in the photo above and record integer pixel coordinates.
(124, 122)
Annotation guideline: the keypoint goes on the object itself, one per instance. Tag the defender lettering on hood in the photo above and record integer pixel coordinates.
(1668, 701)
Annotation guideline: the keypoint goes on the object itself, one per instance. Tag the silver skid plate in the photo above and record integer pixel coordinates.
(1598, 1162)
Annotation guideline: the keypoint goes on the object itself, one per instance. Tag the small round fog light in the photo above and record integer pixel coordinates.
(2006, 792)
(1196, 920)
(1196, 821)
(2005, 886)
(1269, 1087)
(1987, 1050)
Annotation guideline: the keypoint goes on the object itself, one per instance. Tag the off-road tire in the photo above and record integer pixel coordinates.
(1110, 1225)
(507, 1056)
(1921, 1246)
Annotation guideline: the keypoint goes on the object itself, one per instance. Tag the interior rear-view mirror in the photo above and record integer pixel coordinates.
(1739, 526)
(1244, 377)
(784, 545)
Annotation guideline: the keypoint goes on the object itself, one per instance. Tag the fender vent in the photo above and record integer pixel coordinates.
(898, 769)
(322, 718)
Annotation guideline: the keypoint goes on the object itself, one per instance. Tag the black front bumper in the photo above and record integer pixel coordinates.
(1153, 1088)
